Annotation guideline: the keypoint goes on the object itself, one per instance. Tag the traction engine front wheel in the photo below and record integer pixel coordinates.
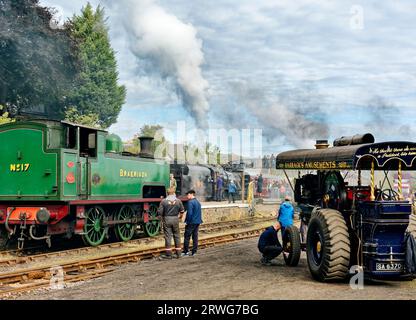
(291, 246)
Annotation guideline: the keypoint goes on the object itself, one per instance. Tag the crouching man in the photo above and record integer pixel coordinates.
(269, 245)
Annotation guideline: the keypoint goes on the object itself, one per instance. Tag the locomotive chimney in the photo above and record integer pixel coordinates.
(321, 144)
(354, 140)
(146, 147)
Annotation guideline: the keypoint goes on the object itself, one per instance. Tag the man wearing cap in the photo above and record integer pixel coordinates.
(171, 210)
(269, 244)
(193, 220)
(286, 214)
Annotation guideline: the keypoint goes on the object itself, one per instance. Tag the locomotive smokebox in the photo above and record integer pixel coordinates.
(146, 147)
(354, 140)
(321, 144)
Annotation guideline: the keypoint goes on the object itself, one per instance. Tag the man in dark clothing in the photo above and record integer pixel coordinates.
(269, 245)
(220, 185)
(193, 220)
(260, 184)
(171, 210)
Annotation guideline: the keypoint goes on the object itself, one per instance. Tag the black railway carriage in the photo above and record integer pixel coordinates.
(352, 225)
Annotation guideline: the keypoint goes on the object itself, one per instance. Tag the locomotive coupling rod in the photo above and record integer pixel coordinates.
(113, 222)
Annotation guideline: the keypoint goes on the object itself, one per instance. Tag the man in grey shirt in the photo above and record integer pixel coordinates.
(171, 211)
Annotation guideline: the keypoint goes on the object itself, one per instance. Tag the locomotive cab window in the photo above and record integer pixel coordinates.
(71, 137)
(87, 143)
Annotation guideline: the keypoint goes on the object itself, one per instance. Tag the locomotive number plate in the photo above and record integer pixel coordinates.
(389, 266)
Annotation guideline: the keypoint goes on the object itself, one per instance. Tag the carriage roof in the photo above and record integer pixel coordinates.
(386, 156)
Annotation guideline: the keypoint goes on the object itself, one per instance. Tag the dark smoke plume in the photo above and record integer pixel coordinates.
(385, 118)
(297, 115)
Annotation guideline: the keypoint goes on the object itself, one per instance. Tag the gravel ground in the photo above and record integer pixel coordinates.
(231, 271)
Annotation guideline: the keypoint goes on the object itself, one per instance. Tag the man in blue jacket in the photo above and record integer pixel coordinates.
(232, 190)
(269, 245)
(286, 214)
(193, 220)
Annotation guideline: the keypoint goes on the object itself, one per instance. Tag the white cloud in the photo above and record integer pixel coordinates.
(278, 46)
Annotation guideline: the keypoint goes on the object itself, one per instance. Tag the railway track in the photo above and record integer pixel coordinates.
(87, 267)
(17, 257)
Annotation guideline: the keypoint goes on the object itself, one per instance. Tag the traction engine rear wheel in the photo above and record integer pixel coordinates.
(125, 231)
(152, 227)
(328, 245)
(291, 246)
(94, 231)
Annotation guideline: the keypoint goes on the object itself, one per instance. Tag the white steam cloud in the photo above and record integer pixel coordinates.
(172, 49)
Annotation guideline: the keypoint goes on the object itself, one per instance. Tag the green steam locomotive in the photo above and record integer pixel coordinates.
(63, 179)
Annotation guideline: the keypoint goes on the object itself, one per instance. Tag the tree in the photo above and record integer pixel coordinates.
(4, 118)
(37, 65)
(154, 131)
(90, 119)
(96, 90)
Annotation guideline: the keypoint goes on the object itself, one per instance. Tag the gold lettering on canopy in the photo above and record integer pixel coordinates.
(316, 165)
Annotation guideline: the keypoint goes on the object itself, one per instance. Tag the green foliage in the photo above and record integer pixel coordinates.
(154, 131)
(193, 154)
(4, 117)
(96, 90)
(37, 65)
(91, 119)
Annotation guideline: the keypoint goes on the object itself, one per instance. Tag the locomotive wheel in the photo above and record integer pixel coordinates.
(94, 232)
(328, 245)
(125, 231)
(152, 227)
(291, 246)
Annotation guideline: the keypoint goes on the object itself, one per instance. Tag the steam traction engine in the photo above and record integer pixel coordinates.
(59, 178)
(344, 225)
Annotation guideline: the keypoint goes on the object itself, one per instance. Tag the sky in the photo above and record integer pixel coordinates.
(298, 71)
